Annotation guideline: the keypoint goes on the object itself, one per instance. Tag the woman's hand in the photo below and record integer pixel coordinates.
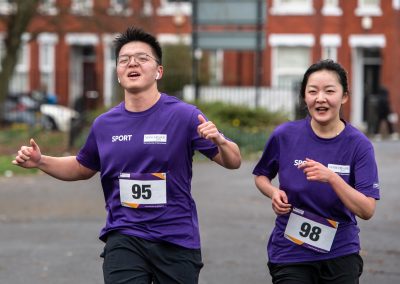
(315, 171)
(280, 203)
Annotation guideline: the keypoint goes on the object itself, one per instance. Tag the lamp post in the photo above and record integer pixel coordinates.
(196, 53)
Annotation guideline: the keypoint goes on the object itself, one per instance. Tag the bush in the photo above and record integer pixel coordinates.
(249, 128)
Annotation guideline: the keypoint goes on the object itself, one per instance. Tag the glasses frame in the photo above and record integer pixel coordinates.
(135, 56)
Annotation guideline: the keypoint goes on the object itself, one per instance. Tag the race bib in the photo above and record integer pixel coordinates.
(311, 231)
(143, 190)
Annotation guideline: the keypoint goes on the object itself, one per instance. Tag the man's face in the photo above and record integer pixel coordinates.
(137, 67)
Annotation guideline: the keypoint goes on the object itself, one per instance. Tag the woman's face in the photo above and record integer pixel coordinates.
(324, 97)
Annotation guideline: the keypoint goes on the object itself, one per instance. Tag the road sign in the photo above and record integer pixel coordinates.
(229, 12)
(237, 40)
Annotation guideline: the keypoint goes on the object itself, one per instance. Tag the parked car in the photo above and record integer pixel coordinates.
(33, 109)
(57, 117)
(20, 108)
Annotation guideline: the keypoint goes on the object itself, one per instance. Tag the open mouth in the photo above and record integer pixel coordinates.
(321, 109)
(133, 75)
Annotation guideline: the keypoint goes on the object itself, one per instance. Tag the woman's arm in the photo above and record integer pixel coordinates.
(355, 201)
(280, 203)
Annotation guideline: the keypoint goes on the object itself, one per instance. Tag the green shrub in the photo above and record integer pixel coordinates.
(249, 128)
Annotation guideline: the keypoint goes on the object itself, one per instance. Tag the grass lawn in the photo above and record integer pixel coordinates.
(17, 135)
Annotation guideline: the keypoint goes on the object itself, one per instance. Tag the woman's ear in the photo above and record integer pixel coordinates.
(345, 98)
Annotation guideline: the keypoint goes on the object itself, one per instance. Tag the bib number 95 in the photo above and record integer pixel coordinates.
(141, 191)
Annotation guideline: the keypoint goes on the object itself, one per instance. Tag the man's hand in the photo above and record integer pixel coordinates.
(28, 156)
(209, 131)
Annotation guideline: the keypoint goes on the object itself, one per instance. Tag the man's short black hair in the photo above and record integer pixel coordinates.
(137, 34)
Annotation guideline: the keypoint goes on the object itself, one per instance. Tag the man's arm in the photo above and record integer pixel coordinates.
(63, 168)
(228, 152)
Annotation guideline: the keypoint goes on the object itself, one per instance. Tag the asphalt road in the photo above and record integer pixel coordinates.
(49, 228)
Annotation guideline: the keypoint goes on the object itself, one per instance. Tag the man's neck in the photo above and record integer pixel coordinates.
(137, 102)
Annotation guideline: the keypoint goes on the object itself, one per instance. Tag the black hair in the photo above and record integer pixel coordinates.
(326, 64)
(137, 34)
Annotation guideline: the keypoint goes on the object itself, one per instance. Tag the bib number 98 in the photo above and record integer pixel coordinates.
(308, 231)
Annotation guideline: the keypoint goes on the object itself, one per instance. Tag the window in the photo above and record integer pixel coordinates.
(171, 8)
(47, 44)
(110, 83)
(396, 4)
(147, 9)
(290, 58)
(289, 65)
(216, 67)
(331, 8)
(292, 7)
(120, 7)
(7, 7)
(82, 7)
(330, 44)
(20, 79)
(47, 7)
(368, 8)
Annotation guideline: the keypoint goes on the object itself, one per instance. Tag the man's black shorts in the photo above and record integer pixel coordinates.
(131, 260)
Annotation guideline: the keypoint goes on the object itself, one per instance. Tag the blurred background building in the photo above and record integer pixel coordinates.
(68, 47)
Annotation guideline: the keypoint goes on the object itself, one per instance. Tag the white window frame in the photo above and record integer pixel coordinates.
(7, 7)
(109, 69)
(365, 41)
(281, 8)
(168, 8)
(364, 9)
(216, 67)
(82, 7)
(288, 40)
(24, 55)
(119, 9)
(47, 42)
(147, 9)
(48, 7)
(396, 4)
(329, 44)
(331, 8)
(22, 67)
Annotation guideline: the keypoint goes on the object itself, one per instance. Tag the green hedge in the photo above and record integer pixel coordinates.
(249, 128)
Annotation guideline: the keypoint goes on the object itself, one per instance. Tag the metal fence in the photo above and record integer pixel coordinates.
(271, 99)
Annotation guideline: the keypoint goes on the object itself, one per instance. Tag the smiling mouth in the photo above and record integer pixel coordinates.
(321, 109)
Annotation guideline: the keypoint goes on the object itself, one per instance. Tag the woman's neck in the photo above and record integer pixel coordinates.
(327, 131)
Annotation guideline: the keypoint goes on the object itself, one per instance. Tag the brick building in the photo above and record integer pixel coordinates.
(68, 45)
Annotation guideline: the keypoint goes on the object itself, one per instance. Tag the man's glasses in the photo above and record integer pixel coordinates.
(140, 58)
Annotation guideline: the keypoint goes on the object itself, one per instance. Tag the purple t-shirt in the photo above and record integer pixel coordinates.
(161, 139)
(290, 144)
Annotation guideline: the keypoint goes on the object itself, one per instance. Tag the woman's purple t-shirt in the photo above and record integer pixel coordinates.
(290, 144)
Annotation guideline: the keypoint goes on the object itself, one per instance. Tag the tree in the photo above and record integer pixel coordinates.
(16, 24)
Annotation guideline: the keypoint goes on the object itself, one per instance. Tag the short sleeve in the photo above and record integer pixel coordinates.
(204, 146)
(268, 165)
(366, 178)
(88, 155)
